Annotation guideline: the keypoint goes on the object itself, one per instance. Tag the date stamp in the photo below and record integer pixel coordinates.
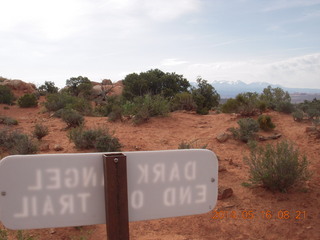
(264, 214)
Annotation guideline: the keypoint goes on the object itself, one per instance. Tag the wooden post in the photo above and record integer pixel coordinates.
(116, 196)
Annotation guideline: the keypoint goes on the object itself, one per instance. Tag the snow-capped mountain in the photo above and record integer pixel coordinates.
(228, 89)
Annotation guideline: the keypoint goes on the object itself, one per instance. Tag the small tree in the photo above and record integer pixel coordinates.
(275, 98)
(48, 87)
(205, 96)
(79, 86)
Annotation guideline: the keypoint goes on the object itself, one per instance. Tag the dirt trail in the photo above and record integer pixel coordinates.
(168, 133)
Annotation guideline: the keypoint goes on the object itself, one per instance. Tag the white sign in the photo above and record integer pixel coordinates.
(59, 190)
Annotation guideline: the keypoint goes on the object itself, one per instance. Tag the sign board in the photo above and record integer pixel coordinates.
(60, 190)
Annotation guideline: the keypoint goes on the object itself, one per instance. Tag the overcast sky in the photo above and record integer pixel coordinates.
(275, 41)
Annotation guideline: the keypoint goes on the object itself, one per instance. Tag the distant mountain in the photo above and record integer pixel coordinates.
(231, 89)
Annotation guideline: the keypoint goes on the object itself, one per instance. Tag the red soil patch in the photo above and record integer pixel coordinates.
(168, 133)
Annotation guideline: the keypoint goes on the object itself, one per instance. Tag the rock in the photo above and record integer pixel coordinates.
(222, 168)
(106, 82)
(57, 147)
(224, 192)
(19, 87)
(223, 137)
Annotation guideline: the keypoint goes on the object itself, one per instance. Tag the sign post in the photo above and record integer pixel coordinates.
(116, 196)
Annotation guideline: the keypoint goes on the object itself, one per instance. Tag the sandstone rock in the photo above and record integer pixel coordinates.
(224, 192)
(106, 82)
(222, 137)
(19, 87)
(57, 147)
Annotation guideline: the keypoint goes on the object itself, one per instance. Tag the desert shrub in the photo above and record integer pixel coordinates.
(313, 113)
(6, 95)
(230, 106)
(265, 123)
(40, 131)
(64, 100)
(8, 120)
(276, 99)
(115, 114)
(3, 234)
(183, 101)
(247, 129)
(277, 167)
(205, 96)
(105, 108)
(192, 145)
(28, 100)
(246, 104)
(100, 139)
(145, 107)
(298, 115)
(72, 117)
(16, 142)
(285, 107)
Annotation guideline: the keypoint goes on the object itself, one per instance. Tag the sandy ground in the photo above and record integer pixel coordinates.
(229, 220)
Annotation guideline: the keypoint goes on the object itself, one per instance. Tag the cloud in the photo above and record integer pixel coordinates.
(285, 4)
(167, 10)
(301, 71)
(172, 62)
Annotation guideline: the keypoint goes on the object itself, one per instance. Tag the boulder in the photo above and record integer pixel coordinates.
(19, 87)
(222, 137)
(224, 192)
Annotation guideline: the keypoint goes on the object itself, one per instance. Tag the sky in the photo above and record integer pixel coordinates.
(274, 41)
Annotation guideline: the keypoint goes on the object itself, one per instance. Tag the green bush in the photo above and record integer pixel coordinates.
(246, 130)
(8, 120)
(277, 167)
(16, 142)
(72, 117)
(145, 107)
(183, 101)
(100, 139)
(62, 100)
(230, 106)
(3, 234)
(265, 123)
(298, 115)
(6, 95)
(115, 114)
(285, 107)
(40, 131)
(246, 104)
(28, 100)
